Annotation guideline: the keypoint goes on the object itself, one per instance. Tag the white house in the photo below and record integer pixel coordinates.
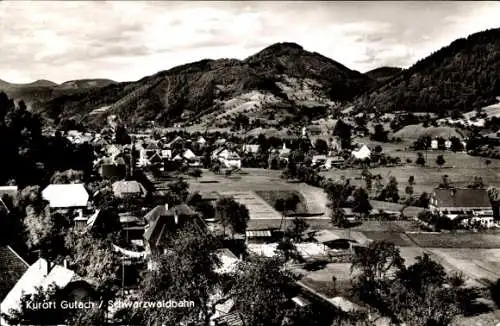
(249, 148)
(434, 144)
(362, 153)
(67, 196)
(189, 155)
(228, 158)
(40, 274)
(202, 141)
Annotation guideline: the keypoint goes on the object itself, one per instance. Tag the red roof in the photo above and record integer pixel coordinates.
(463, 197)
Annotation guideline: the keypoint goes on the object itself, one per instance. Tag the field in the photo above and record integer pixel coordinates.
(457, 240)
(460, 168)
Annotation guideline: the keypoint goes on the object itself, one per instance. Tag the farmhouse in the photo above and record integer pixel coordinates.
(361, 153)
(228, 158)
(455, 202)
(43, 274)
(67, 196)
(251, 149)
(163, 221)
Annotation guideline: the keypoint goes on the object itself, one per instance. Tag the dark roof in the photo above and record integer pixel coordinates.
(154, 216)
(12, 267)
(462, 197)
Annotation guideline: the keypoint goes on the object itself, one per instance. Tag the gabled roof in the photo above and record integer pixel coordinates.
(37, 275)
(219, 150)
(121, 188)
(462, 197)
(66, 195)
(11, 191)
(155, 216)
(362, 153)
(12, 268)
(188, 154)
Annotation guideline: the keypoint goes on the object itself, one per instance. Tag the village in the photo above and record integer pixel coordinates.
(313, 198)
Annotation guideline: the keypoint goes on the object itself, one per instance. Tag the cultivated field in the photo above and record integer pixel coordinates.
(460, 168)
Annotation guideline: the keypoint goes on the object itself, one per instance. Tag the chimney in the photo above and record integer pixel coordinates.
(65, 263)
(166, 207)
(80, 213)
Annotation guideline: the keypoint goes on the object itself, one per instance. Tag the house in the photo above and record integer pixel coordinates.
(67, 196)
(434, 144)
(333, 162)
(12, 268)
(128, 189)
(361, 153)
(284, 152)
(318, 160)
(189, 155)
(201, 141)
(162, 221)
(335, 144)
(250, 149)
(43, 274)
(447, 144)
(166, 153)
(229, 159)
(10, 191)
(456, 202)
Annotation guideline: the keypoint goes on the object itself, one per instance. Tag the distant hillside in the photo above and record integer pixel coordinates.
(383, 74)
(283, 80)
(36, 94)
(462, 76)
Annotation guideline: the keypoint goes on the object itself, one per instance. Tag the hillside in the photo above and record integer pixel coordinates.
(281, 81)
(462, 76)
(39, 92)
(383, 74)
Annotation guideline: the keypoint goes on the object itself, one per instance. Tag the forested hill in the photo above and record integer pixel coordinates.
(462, 76)
(383, 74)
(277, 80)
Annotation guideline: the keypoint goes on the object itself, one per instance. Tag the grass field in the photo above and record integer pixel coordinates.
(457, 240)
(460, 168)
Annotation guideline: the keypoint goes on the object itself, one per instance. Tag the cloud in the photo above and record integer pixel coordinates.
(128, 40)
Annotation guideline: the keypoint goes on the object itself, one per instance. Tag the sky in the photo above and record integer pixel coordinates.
(127, 40)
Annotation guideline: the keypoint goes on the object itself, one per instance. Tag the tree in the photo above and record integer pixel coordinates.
(494, 195)
(262, 289)
(45, 231)
(297, 229)
(53, 314)
(343, 131)
(423, 275)
(178, 191)
(279, 205)
(477, 183)
(186, 272)
(391, 191)
(95, 260)
(291, 202)
(361, 204)
(338, 217)
(445, 182)
(380, 134)
(287, 250)
(440, 161)
(377, 259)
(420, 159)
(321, 146)
(232, 214)
(67, 177)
